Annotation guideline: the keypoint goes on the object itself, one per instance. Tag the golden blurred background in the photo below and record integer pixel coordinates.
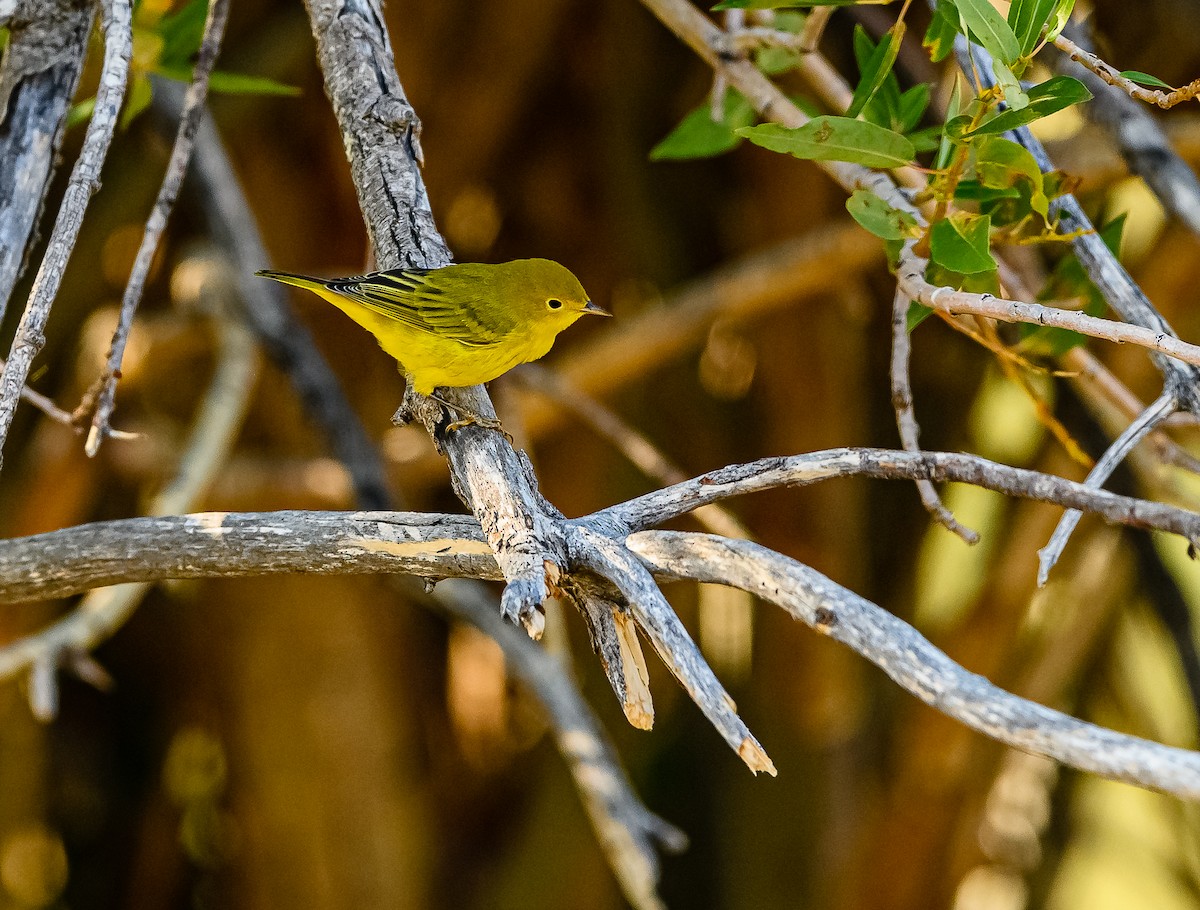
(323, 743)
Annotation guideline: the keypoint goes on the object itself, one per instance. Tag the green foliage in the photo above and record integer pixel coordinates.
(835, 139)
(875, 68)
(1070, 281)
(960, 242)
(165, 45)
(1027, 18)
(881, 219)
(1046, 98)
(791, 4)
(1145, 79)
(1002, 164)
(980, 22)
(700, 136)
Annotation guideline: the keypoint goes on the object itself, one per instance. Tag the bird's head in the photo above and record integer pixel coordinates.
(551, 294)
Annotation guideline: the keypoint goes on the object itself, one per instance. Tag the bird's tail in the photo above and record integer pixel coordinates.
(300, 281)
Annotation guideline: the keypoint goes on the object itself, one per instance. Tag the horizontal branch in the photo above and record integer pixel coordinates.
(801, 470)
(233, 544)
(915, 664)
(911, 275)
(236, 544)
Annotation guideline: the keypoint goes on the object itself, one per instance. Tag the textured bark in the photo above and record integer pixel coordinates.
(38, 77)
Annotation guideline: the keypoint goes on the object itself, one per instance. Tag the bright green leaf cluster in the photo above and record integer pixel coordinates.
(164, 45)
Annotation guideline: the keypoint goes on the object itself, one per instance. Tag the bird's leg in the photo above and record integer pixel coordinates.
(467, 419)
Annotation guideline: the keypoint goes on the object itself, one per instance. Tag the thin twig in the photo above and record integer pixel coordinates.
(156, 223)
(814, 27)
(906, 417)
(1106, 72)
(911, 275)
(1139, 138)
(85, 180)
(916, 665)
(1138, 430)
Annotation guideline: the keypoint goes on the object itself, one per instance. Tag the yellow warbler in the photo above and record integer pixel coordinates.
(460, 325)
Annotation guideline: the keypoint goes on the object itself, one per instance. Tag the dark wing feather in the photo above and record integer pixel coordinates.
(411, 298)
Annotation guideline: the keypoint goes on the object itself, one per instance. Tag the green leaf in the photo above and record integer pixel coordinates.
(939, 37)
(137, 99)
(989, 29)
(878, 217)
(976, 283)
(877, 69)
(960, 243)
(917, 313)
(1000, 163)
(953, 110)
(1014, 95)
(927, 139)
(1145, 79)
(699, 136)
(181, 33)
(789, 4)
(1046, 98)
(835, 139)
(1027, 18)
(1062, 15)
(81, 112)
(913, 104)
(974, 191)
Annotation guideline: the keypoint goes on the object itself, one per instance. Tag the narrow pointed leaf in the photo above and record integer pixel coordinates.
(835, 139)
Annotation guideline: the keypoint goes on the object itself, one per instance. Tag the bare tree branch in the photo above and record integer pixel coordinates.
(85, 179)
(156, 223)
(1138, 430)
(1138, 136)
(533, 545)
(916, 665)
(38, 77)
(906, 417)
(431, 545)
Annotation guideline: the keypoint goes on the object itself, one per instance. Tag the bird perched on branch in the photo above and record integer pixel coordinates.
(460, 325)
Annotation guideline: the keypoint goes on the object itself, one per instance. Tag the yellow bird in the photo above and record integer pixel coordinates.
(460, 325)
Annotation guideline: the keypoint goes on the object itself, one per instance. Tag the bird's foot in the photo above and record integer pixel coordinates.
(467, 419)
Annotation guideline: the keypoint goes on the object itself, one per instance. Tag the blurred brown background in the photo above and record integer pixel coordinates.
(321, 743)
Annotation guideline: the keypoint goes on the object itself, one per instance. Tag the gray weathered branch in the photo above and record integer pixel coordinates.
(156, 222)
(916, 665)
(38, 77)
(85, 180)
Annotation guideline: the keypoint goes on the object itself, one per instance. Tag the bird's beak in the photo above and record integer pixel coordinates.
(595, 309)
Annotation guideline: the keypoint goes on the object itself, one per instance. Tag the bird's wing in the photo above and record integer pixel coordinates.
(411, 298)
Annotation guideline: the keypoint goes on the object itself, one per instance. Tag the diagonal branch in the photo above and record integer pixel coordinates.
(916, 665)
(156, 223)
(85, 180)
(1145, 424)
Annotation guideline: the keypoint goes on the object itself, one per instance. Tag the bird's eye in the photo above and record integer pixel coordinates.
(554, 303)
